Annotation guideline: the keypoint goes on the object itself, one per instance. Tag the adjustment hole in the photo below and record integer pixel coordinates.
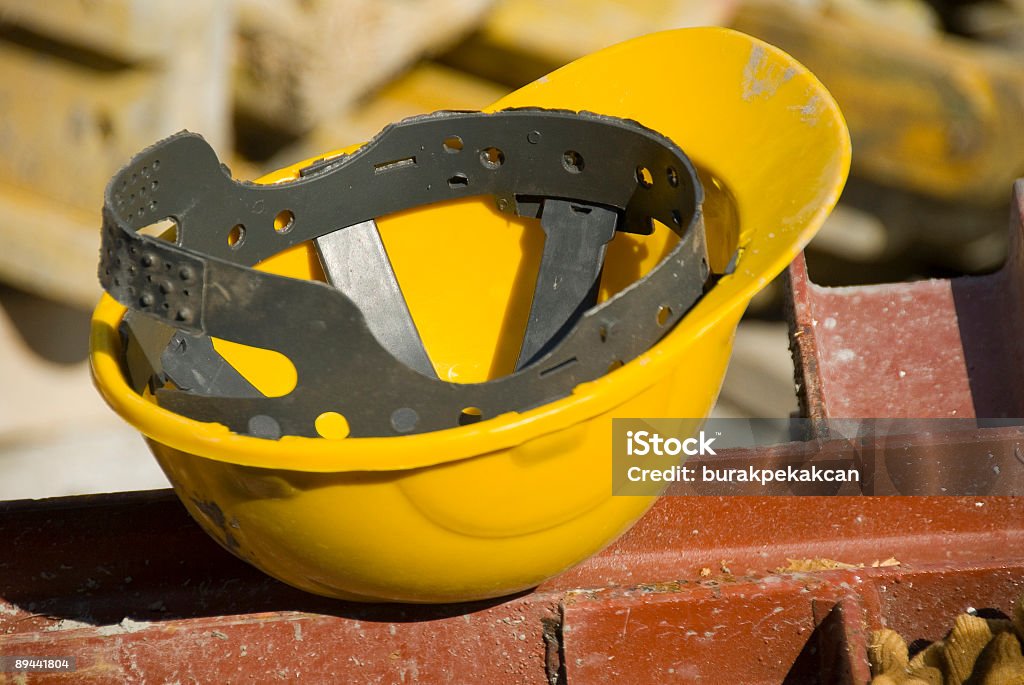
(332, 425)
(236, 236)
(615, 364)
(453, 144)
(284, 221)
(470, 415)
(644, 176)
(165, 229)
(458, 181)
(673, 177)
(572, 161)
(492, 157)
(664, 314)
(677, 217)
(602, 332)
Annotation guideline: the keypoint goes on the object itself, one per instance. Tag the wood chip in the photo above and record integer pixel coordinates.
(819, 564)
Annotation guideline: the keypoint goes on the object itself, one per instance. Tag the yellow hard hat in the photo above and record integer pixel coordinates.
(401, 509)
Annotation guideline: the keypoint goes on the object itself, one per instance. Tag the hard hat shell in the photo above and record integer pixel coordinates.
(498, 506)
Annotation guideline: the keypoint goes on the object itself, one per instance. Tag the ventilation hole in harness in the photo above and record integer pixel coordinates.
(236, 236)
(284, 221)
(332, 425)
(165, 229)
(644, 176)
(572, 161)
(470, 415)
(492, 157)
(452, 144)
(673, 177)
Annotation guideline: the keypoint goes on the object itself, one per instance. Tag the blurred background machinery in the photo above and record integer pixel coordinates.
(933, 92)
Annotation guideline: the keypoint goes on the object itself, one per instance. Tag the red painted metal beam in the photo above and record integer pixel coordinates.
(133, 589)
(936, 348)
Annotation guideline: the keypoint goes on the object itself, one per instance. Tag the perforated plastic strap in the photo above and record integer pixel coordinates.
(204, 284)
